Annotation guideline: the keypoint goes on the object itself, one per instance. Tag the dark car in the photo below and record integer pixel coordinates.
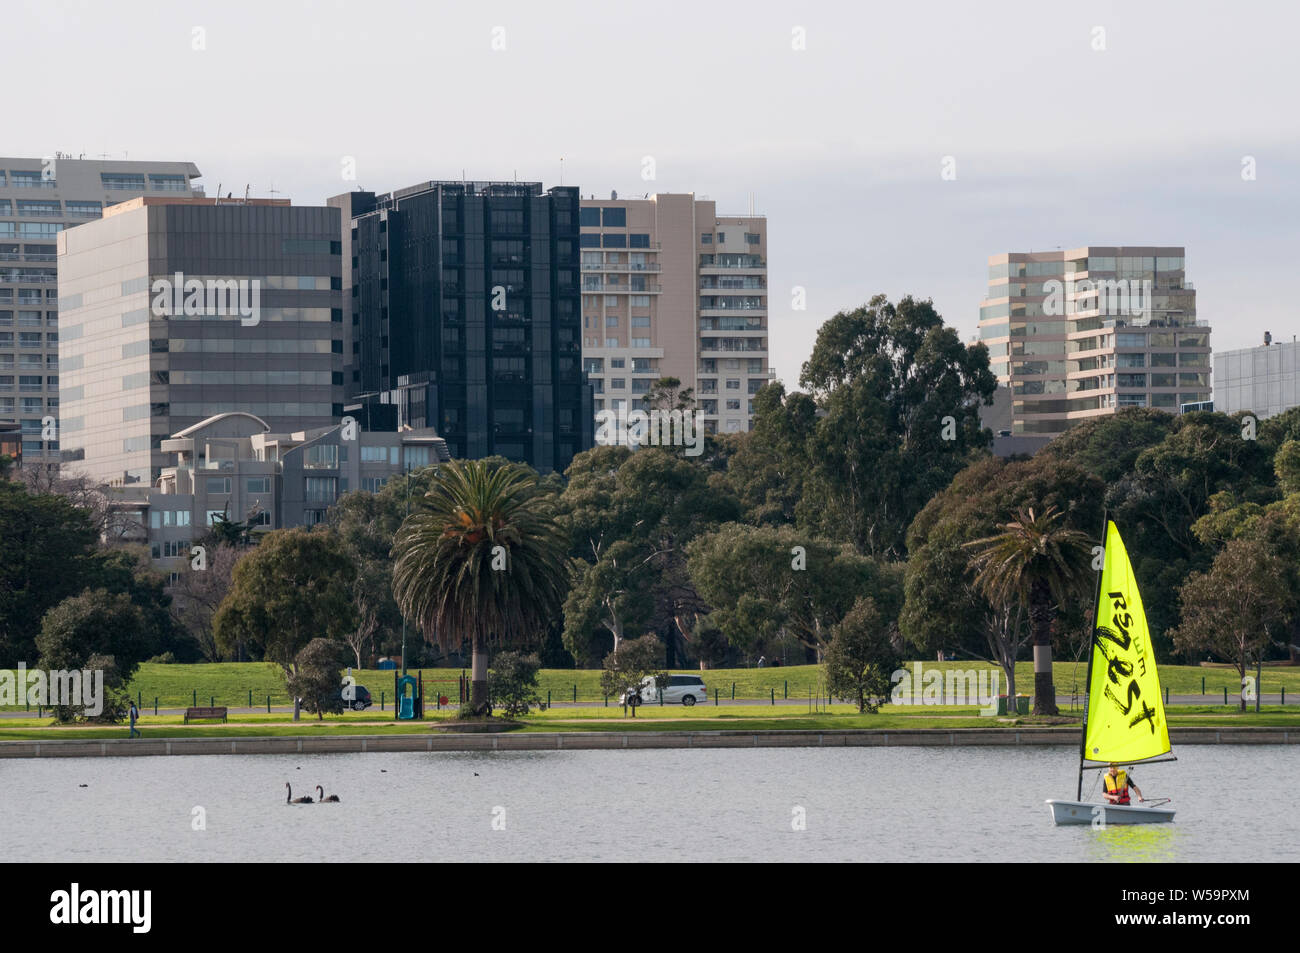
(361, 699)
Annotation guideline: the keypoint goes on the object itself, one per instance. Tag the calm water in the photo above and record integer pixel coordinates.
(861, 804)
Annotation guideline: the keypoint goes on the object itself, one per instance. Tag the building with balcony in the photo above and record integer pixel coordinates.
(1262, 380)
(176, 309)
(672, 289)
(1078, 333)
(232, 466)
(463, 316)
(39, 198)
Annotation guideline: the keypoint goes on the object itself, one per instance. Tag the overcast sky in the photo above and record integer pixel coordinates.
(1055, 142)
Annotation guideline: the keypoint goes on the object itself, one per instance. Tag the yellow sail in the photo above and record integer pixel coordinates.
(1126, 715)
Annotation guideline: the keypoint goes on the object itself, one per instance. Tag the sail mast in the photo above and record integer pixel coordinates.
(1096, 620)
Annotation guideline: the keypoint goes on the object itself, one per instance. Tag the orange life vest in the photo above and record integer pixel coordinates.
(1118, 785)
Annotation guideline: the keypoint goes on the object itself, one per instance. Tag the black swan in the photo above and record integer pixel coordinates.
(290, 799)
(332, 799)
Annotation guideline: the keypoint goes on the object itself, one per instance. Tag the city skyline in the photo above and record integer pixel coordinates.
(1095, 160)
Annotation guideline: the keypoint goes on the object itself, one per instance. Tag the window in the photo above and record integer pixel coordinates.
(373, 484)
(418, 457)
(641, 342)
(751, 238)
(722, 238)
(641, 321)
(615, 241)
(638, 241)
(321, 489)
(614, 217)
(374, 454)
(322, 456)
(589, 217)
(217, 484)
(169, 183)
(589, 239)
(257, 485)
(618, 383)
(122, 181)
(733, 384)
(733, 405)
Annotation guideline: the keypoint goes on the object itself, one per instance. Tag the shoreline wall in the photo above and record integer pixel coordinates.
(607, 740)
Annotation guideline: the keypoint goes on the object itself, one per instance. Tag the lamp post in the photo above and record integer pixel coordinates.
(408, 513)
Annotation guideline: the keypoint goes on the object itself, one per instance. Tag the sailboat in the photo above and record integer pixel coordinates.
(1124, 721)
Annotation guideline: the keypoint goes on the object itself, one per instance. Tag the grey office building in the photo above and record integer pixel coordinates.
(176, 310)
(464, 315)
(1263, 380)
(40, 197)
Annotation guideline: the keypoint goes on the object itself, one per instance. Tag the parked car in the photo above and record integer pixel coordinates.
(681, 689)
(361, 699)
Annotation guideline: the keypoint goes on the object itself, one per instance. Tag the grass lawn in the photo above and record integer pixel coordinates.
(649, 718)
(230, 683)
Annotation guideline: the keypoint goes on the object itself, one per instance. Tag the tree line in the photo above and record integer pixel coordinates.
(863, 519)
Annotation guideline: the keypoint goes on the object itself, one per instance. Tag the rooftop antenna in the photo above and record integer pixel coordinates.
(217, 198)
(561, 170)
(247, 187)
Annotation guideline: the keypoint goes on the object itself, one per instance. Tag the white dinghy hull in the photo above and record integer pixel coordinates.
(1082, 812)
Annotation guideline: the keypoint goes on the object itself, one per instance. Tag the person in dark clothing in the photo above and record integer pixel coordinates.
(133, 714)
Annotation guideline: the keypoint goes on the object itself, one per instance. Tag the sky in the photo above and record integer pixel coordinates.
(892, 147)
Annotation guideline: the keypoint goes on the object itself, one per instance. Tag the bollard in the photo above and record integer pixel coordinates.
(1225, 694)
(575, 694)
(548, 698)
(250, 698)
(155, 704)
(268, 704)
(606, 701)
(139, 701)
(773, 696)
(715, 698)
(661, 698)
(1283, 694)
(381, 701)
(1202, 684)
(195, 701)
(1166, 694)
(733, 691)
(212, 701)
(787, 689)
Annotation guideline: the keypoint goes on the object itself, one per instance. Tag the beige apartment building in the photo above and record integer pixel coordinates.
(1078, 333)
(672, 289)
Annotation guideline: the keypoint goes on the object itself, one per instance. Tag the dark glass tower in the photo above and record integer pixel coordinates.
(465, 315)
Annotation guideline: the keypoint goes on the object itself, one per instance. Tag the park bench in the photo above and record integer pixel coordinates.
(200, 714)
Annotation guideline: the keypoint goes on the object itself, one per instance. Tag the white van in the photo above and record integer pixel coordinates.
(681, 689)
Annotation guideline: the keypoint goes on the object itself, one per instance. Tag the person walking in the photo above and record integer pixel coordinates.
(133, 714)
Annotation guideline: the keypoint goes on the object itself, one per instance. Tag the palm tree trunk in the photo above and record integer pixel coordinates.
(1044, 689)
(478, 690)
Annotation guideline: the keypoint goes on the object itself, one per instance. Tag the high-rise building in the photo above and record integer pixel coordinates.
(464, 314)
(38, 199)
(1078, 333)
(174, 310)
(1263, 380)
(670, 289)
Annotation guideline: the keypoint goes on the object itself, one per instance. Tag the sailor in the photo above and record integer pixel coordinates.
(1117, 785)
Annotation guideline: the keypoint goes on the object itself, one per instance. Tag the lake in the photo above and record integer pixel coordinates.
(674, 805)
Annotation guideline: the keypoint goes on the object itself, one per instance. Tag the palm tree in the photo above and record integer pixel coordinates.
(483, 560)
(1039, 564)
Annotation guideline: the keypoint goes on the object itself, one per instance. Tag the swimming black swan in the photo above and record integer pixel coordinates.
(290, 799)
(332, 799)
